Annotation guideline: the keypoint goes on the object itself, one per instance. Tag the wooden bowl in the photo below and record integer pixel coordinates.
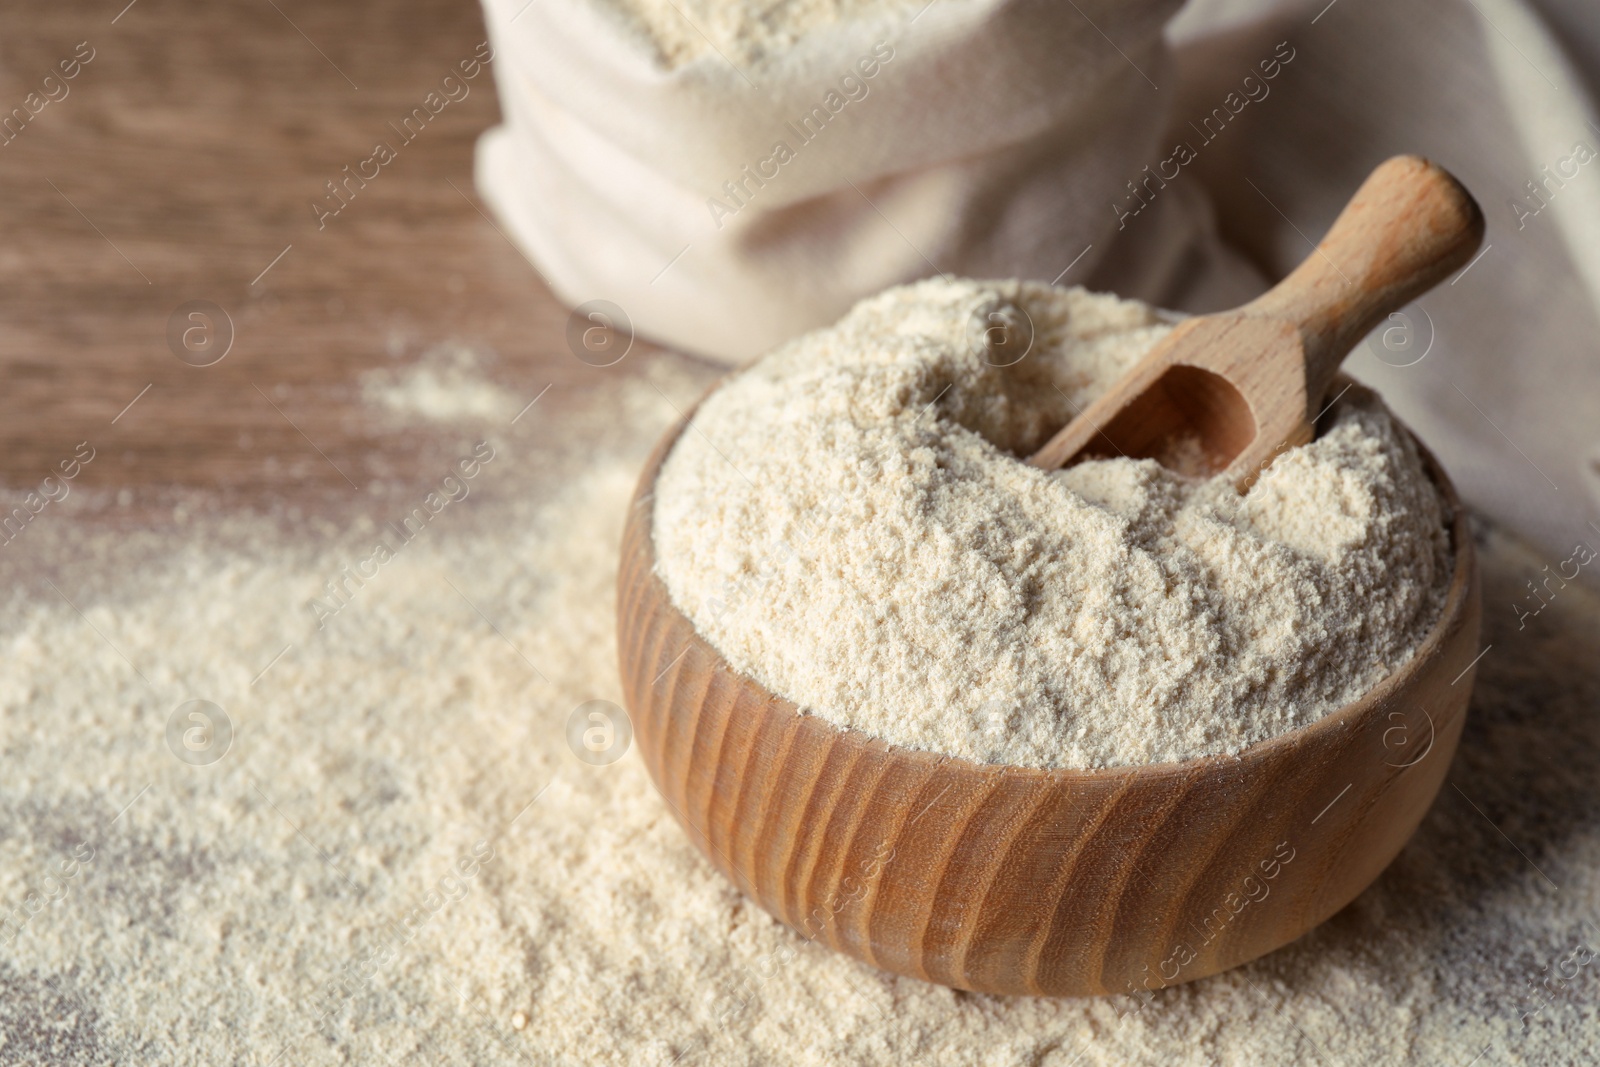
(1006, 879)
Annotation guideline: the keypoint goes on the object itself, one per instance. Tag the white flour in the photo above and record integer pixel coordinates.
(850, 524)
(743, 31)
(445, 385)
(374, 755)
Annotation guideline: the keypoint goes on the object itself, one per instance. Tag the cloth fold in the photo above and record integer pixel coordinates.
(726, 208)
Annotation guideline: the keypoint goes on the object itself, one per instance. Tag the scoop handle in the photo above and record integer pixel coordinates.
(1408, 226)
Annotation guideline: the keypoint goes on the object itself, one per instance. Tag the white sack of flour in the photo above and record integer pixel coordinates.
(730, 195)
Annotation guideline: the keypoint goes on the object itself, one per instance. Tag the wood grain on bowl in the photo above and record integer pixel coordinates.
(1007, 879)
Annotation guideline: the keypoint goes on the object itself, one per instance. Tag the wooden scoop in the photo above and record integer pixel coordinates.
(1228, 392)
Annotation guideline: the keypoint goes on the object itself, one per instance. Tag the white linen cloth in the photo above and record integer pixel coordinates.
(985, 142)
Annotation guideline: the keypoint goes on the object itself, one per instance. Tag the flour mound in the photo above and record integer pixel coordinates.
(851, 523)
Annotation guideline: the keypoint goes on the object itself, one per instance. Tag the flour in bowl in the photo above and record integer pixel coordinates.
(850, 522)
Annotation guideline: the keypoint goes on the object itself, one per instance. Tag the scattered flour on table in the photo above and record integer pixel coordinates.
(852, 524)
(223, 908)
(445, 384)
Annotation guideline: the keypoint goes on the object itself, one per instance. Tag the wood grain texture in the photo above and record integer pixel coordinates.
(1230, 391)
(1019, 880)
(184, 160)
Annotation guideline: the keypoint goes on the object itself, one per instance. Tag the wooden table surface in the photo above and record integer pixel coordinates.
(181, 165)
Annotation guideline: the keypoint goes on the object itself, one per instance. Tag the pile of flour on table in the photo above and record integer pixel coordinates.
(226, 907)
